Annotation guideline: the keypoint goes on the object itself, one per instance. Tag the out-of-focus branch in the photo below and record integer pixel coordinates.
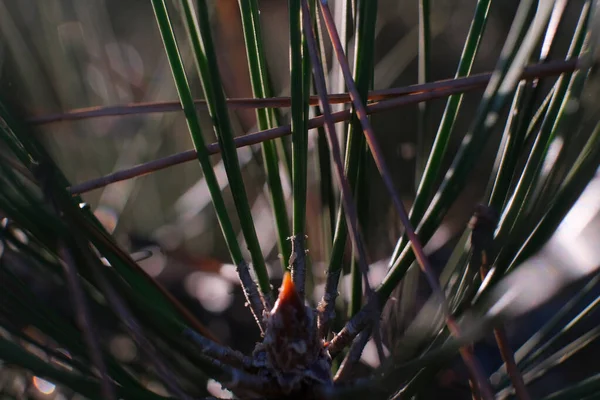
(469, 83)
(402, 97)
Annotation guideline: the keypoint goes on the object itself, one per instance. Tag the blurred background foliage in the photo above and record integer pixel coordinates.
(59, 55)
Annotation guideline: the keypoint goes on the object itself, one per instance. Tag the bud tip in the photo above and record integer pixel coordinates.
(288, 288)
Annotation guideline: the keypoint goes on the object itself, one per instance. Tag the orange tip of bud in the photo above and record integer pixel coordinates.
(288, 289)
(288, 296)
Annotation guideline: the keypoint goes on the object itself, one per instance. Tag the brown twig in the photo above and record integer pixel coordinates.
(351, 327)
(467, 83)
(483, 225)
(361, 113)
(334, 147)
(357, 324)
(242, 141)
(512, 369)
(376, 151)
(352, 357)
(472, 363)
(464, 85)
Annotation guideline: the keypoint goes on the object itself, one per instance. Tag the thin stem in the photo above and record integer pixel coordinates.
(326, 307)
(511, 366)
(334, 146)
(365, 13)
(515, 213)
(352, 357)
(483, 226)
(250, 289)
(441, 91)
(472, 82)
(376, 150)
(426, 185)
(360, 110)
(521, 41)
(473, 365)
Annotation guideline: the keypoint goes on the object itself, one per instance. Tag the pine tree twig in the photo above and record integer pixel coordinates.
(353, 356)
(459, 85)
(350, 211)
(385, 174)
(357, 324)
(470, 361)
(473, 365)
(376, 151)
(483, 225)
(511, 366)
(258, 137)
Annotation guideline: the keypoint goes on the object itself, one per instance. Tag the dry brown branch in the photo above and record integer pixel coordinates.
(434, 91)
(470, 83)
(350, 211)
(469, 359)
(483, 225)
